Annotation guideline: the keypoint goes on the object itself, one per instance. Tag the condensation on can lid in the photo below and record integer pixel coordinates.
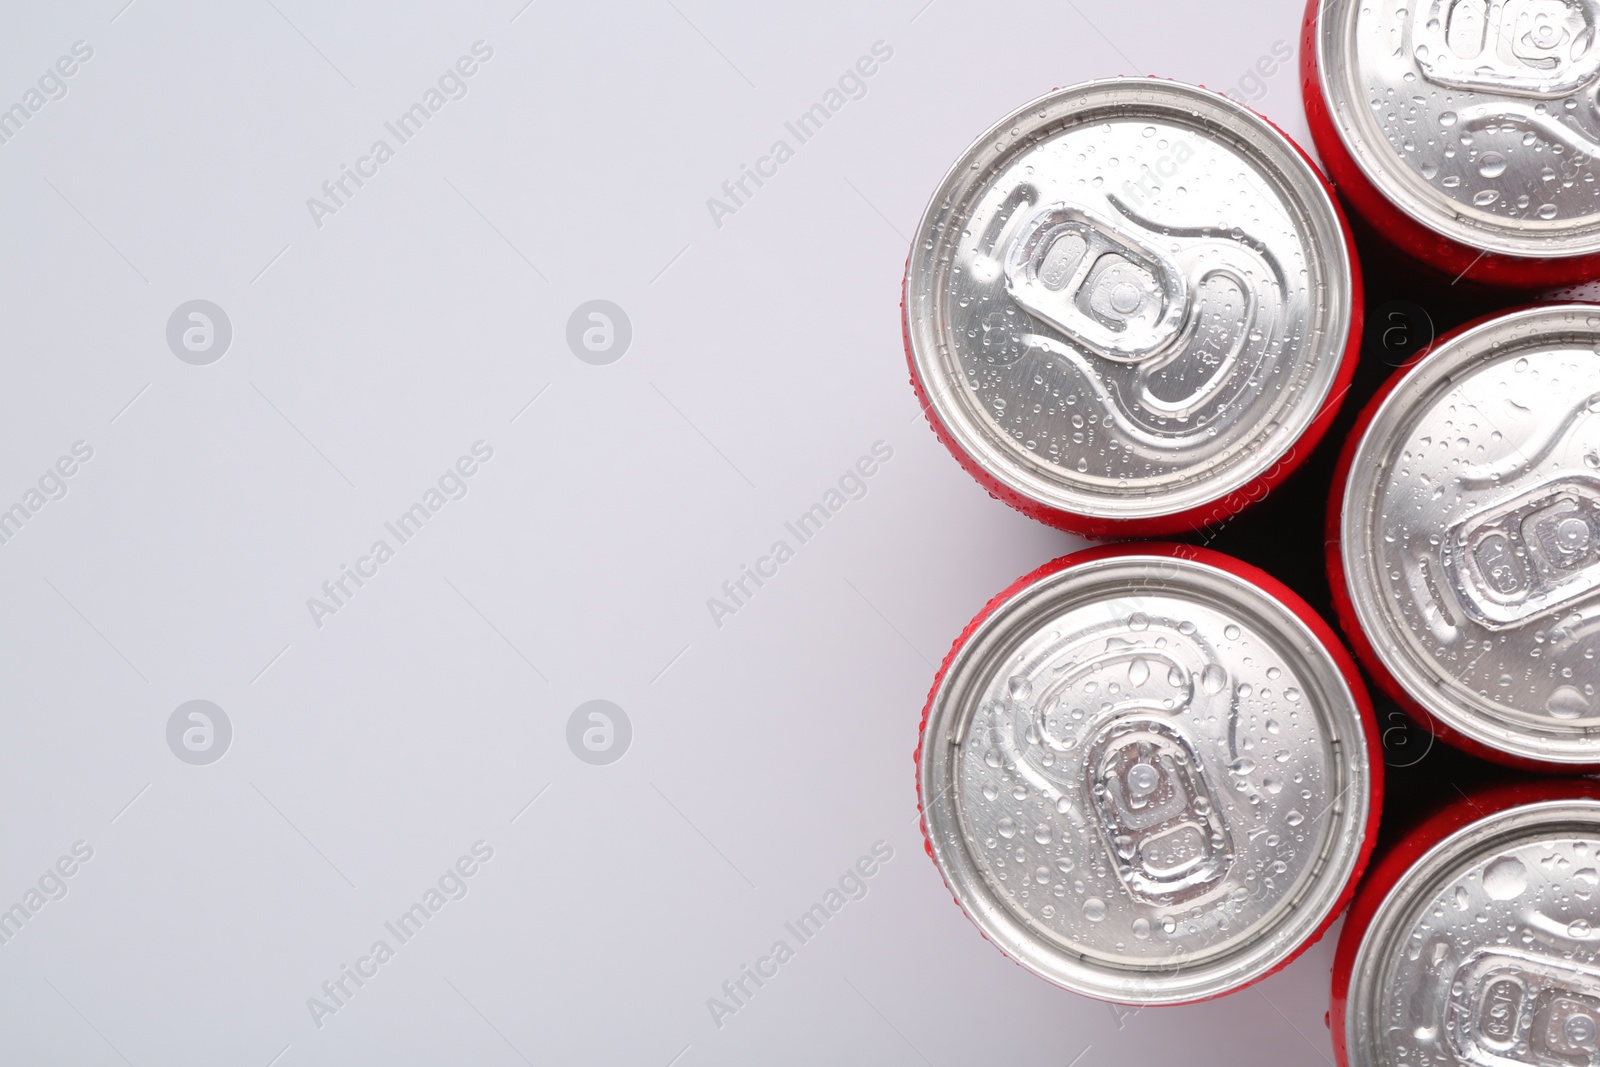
(1145, 779)
(1470, 533)
(1129, 299)
(1477, 120)
(1487, 949)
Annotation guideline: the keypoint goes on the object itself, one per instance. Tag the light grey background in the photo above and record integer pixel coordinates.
(368, 353)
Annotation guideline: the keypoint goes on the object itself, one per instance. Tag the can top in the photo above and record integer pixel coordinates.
(1477, 119)
(1486, 951)
(1145, 778)
(1128, 299)
(1470, 533)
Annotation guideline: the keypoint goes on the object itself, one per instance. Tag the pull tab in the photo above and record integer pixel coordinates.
(1521, 47)
(1510, 1007)
(1157, 811)
(1120, 297)
(1530, 555)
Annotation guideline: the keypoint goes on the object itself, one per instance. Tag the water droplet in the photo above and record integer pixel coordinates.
(1242, 765)
(1231, 632)
(1491, 164)
(1094, 909)
(1063, 805)
(1447, 118)
(1546, 211)
(1580, 929)
(1485, 197)
(1143, 779)
(1019, 687)
(1463, 898)
(1567, 702)
(1505, 878)
(1041, 833)
(1064, 865)
(1138, 672)
(1138, 621)
(1141, 928)
(1272, 785)
(1213, 679)
(1294, 818)
(1006, 827)
(992, 757)
(1175, 678)
(1292, 695)
(990, 791)
(1169, 924)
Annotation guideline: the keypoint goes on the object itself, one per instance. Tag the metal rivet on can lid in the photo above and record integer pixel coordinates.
(1477, 120)
(1128, 300)
(1120, 789)
(1470, 534)
(1485, 951)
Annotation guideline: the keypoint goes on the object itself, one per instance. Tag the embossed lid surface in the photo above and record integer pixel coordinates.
(1129, 299)
(1486, 952)
(1477, 118)
(1145, 778)
(1470, 533)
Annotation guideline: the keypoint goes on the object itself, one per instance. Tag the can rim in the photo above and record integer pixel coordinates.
(1363, 613)
(1431, 839)
(1404, 189)
(1363, 778)
(1012, 473)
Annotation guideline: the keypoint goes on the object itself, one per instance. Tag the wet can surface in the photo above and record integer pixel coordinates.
(1146, 773)
(1465, 131)
(1464, 537)
(1474, 940)
(1131, 308)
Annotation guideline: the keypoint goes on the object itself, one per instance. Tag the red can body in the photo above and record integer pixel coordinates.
(962, 713)
(1397, 860)
(1457, 346)
(1058, 390)
(1448, 256)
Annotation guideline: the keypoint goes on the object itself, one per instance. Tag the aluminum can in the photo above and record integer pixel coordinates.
(1131, 308)
(1464, 131)
(1146, 773)
(1475, 941)
(1464, 537)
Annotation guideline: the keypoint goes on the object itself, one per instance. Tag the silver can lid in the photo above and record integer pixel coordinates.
(1470, 533)
(1129, 299)
(1486, 952)
(1477, 119)
(1145, 778)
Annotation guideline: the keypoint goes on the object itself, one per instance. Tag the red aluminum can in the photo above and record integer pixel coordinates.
(1131, 308)
(1474, 939)
(1149, 773)
(1463, 538)
(1464, 132)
